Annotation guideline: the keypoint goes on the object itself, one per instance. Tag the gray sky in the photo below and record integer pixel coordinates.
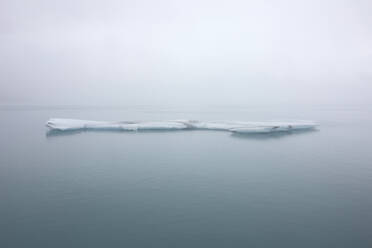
(118, 52)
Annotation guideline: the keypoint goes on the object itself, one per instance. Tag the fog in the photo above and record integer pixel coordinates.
(196, 52)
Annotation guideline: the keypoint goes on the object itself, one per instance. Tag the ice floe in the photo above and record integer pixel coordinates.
(232, 126)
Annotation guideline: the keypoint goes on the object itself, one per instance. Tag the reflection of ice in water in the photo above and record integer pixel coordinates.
(233, 126)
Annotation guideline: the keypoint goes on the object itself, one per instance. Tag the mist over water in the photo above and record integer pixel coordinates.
(185, 53)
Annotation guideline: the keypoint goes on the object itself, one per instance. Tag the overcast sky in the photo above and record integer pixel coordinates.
(121, 52)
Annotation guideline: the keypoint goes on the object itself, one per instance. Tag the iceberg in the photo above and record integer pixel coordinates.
(56, 124)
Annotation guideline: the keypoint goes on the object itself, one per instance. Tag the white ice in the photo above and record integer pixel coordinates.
(232, 126)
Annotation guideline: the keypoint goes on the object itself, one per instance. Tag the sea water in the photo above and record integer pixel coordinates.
(188, 188)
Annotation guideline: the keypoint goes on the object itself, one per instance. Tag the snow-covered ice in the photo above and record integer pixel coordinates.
(232, 126)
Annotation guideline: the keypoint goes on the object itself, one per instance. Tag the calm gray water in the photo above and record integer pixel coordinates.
(186, 188)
